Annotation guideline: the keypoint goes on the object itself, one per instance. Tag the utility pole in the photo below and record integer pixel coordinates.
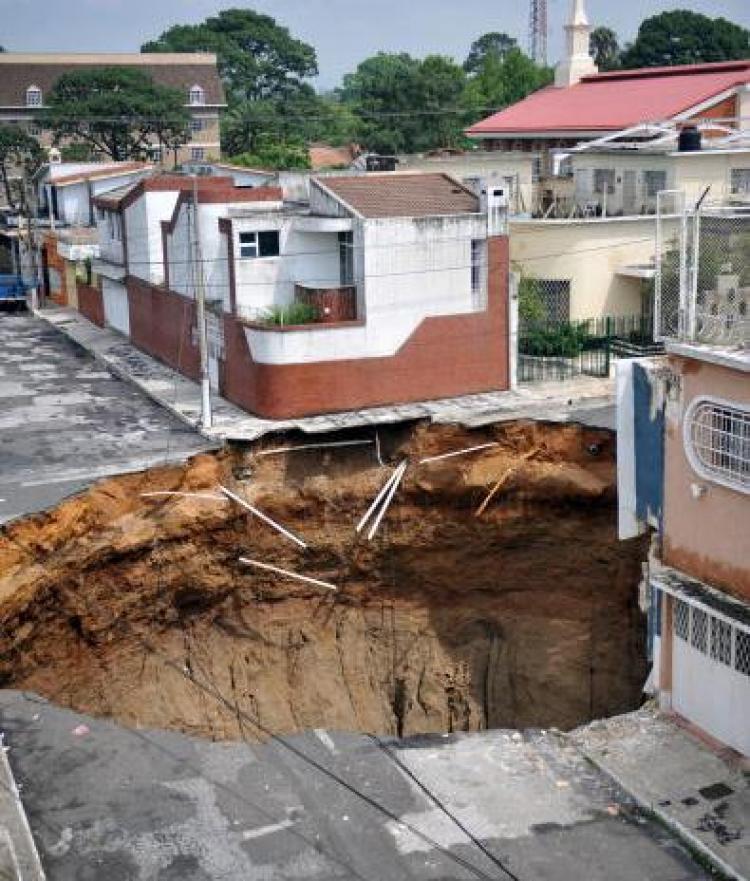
(200, 298)
(30, 217)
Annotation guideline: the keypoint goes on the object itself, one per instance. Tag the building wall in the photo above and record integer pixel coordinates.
(588, 253)
(143, 219)
(445, 355)
(705, 536)
(91, 303)
(406, 270)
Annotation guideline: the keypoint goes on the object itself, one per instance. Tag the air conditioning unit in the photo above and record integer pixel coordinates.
(54, 156)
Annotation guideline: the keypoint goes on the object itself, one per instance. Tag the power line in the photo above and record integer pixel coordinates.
(441, 805)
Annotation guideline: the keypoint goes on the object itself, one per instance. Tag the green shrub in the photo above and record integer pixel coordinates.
(555, 341)
(294, 313)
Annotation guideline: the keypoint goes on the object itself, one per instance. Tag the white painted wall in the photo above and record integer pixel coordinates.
(628, 525)
(411, 268)
(116, 312)
(110, 247)
(143, 219)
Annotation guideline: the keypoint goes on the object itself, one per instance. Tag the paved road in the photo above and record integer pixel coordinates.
(108, 802)
(65, 421)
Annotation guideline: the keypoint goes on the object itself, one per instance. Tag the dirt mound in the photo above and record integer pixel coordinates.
(525, 616)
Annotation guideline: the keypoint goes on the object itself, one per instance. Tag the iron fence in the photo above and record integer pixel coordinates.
(560, 350)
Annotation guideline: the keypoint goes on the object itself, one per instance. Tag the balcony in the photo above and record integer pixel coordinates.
(332, 304)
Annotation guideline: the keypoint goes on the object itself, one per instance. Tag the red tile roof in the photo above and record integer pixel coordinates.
(612, 101)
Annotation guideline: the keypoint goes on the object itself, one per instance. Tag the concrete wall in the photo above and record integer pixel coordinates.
(689, 172)
(406, 270)
(704, 535)
(588, 253)
(144, 242)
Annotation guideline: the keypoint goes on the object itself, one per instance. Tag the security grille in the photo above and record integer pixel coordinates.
(717, 442)
(681, 619)
(721, 641)
(699, 631)
(742, 652)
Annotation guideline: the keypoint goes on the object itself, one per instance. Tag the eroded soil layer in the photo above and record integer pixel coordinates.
(115, 604)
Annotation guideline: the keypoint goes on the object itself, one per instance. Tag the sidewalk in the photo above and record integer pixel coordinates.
(589, 400)
(701, 794)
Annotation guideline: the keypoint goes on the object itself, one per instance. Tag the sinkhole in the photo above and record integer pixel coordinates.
(137, 607)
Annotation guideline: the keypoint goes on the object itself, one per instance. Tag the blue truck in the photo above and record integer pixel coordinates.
(13, 291)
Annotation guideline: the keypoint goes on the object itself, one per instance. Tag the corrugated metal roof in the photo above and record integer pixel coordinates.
(612, 101)
(394, 194)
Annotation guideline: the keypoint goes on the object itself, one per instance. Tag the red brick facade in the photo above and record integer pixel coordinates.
(162, 323)
(91, 303)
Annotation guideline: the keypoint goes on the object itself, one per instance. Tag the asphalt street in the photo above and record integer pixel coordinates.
(65, 421)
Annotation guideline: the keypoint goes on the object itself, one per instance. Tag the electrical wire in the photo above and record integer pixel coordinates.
(441, 805)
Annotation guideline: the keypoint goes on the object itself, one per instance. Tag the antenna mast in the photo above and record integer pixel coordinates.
(538, 31)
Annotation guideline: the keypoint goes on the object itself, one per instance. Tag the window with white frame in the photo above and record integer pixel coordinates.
(197, 154)
(740, 181)
(33, 96)
(197, 95)
(259, 244)
(717, 441)
(725, 641)
(196, 125)
(34, 129)
(654, 182)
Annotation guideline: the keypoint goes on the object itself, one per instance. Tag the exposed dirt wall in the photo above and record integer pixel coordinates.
(526, 616)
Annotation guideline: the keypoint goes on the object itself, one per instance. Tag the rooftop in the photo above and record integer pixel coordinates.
(174, 69)
(95, 172)
(396, 194)
(611, 101)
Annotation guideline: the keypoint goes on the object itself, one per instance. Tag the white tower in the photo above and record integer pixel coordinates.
(578, 61)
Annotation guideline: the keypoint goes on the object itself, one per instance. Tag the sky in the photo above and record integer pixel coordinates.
(343, 31)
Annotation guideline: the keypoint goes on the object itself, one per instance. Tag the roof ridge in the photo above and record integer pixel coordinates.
(669, 70)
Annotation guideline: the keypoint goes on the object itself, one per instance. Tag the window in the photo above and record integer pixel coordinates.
(716, 436)
(554, 295)
(197, 154)
(721, 641)
(477, 265)
(33, 96)
(604, 180)
(654, 182)
(742, 651)
(196, 125)
(34, 130)
(114, 226)
(155, 154)
(681, 619)
(740, 181)
(346, 257)
(197, 95)
(699, 631)
(259, 244)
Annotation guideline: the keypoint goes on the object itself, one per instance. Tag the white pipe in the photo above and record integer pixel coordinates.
(289, 574)
(378, 498)
(261, 516)
(394, 486)
(351, 443)
(185, 495)
(457, 453)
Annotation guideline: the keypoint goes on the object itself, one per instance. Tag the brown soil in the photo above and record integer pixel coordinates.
(527, 616)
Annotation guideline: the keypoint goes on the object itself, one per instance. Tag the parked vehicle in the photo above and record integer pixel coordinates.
(12, 292)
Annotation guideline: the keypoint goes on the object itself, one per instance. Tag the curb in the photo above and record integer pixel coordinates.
(31, 859)
(686, 836)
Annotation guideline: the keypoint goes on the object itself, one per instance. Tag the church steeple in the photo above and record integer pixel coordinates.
(578, 61)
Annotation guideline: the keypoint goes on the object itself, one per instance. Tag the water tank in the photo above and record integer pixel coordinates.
(689, 140)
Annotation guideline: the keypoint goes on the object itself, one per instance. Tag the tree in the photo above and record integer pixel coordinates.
(605, 48)
(258, 59)
(499, 82)
(494, 43)
(405, 105)
(118, 111)
(19, 152)
(271, 154)
(682, 37)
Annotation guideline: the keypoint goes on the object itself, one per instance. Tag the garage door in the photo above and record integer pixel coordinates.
(711, 673)
(116, 312)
